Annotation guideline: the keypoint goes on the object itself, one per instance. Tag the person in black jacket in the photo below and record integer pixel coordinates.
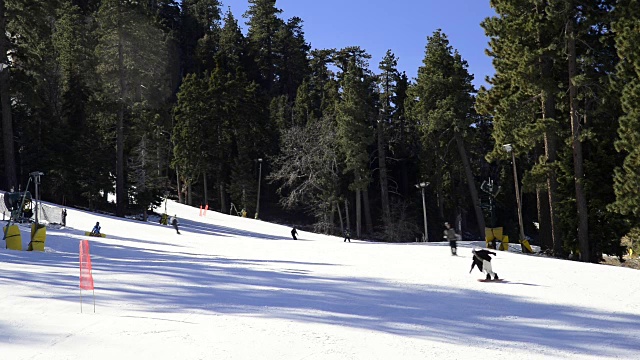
(482, 259)
(347, 235)
(294, 232)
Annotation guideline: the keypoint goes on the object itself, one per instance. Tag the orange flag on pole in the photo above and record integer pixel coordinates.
(86, 278)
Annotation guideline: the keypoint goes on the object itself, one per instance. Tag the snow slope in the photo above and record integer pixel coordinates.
(239, 288)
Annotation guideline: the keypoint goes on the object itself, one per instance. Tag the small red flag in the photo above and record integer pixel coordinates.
(86, 278)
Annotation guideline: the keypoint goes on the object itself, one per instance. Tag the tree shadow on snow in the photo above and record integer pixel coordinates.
(188, 282)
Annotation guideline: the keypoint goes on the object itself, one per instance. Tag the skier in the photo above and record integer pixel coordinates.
(482, 259)
(175, 223)
(450, 234)
(96, 229)
(347, 235)
(294, 232)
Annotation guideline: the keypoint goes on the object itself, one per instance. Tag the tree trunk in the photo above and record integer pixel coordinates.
(346, 213)
(120, 192)
(578, 162)
(440, 197)
(438, 188)
(544, 220)
(367, 211)
(384, 185)
(178, 186)
(471, 183)
(542, 201)
(337, 205)
(11, 179)
(550, 150)
(358, 213)
(223, 200)
(206, 195)
(550, 145)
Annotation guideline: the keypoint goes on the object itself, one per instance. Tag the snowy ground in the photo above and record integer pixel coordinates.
(239, 288)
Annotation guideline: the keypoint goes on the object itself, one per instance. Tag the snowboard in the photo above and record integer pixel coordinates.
(485, 280)
(89, 233)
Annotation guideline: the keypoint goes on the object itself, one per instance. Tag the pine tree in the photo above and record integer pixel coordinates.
(191, 115)
(291, 52)
(131, 53)
(9, 161)
(147, 186)
(354, 131)
(444, 104)
(233, 48)
(264, 24)
(199, 34)
(78, 145)
(527, 58)
(626, 177)
(388, 81)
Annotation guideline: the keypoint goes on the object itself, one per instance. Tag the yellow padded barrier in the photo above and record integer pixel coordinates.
(504, 245)
(38, 237)
(492, 234)
(14, 238)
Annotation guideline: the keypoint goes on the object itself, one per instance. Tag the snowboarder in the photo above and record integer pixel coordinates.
(347, 235)
(294, 232)
(96, 229)
(175, 223)
(450, 234)
(482, 259)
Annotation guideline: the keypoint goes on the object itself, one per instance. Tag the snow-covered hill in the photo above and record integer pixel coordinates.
(239, 288)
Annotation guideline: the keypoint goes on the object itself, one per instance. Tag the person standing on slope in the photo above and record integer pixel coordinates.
(175, 223)
(450, 234)
(294, 232)
(482, 259)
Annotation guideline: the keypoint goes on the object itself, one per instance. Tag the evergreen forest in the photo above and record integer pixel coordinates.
(160, 99)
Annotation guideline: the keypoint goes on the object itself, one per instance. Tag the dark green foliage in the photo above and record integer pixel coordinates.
(440, 104)
(552, 99)
(264, 24)
(354, 128)
(627, 176)
(122, 96)
(199, 34)
(191, 115)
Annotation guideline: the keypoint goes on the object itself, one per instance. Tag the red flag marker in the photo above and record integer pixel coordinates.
(86, 276)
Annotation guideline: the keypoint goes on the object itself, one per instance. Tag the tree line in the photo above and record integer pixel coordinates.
(149, 99)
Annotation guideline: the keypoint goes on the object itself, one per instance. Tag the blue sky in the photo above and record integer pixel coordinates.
(400, 25)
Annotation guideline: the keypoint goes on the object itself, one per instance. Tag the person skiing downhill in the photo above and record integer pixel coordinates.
(482, 259)
(450, 234)
(294, 232)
